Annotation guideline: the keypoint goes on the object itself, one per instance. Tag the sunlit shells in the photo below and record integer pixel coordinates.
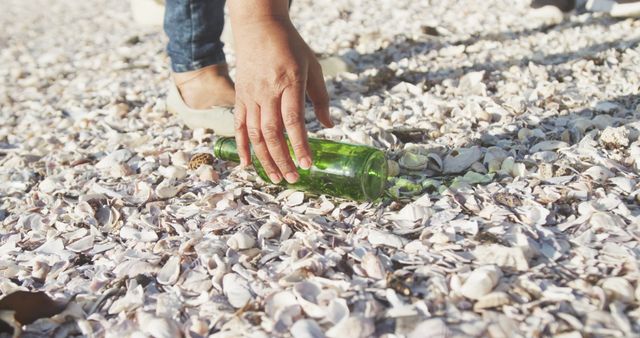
(460, 159)
(481, 281)
(512, 205)
(170, 271)
(236, 289)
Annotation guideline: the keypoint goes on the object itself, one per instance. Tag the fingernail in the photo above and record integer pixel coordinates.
(291, 177)
(275, 178)
(305, 163)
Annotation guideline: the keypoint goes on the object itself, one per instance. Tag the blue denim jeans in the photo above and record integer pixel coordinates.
(194, 28)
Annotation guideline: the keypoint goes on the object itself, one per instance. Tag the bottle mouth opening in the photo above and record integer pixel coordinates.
(374, 175)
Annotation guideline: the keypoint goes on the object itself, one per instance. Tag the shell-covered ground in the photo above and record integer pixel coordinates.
(514, 212)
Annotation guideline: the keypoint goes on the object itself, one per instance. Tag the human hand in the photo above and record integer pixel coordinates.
(275, 67)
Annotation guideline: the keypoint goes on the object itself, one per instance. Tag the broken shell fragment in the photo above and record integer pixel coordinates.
(481, 281)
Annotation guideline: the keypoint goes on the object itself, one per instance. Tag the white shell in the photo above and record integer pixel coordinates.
(460, 159)
(413, 161)
(352, 327)
(296, 198)
(307, 293)
(378, 238)
(434, 327)
(491, 300)
(306, 328)
(207, 173)
(619, 288)
(158, 327)
(241, 241)
(481, 281)
(173, 172)
(166, 190)
(236, 289)
(170, 271)
(373, 266)
(268, 230)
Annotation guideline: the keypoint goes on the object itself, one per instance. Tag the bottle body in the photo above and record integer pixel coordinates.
(339, 169)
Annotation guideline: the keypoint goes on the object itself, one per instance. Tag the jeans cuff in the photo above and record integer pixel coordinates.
(217, 58)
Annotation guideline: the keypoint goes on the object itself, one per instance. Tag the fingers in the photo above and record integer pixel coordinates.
(292, 110)
(254, 131)
(242, 138)
(318, 94)
(272, 131)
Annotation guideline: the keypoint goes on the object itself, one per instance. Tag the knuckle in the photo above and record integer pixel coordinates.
(299, 148)
(292, 119)
(239, 124)
(255, 135)
(271, 132)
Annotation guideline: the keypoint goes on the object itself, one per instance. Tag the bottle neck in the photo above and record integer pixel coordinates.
(226, 149)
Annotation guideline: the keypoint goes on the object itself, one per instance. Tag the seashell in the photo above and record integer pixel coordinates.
(82, 245)
(491, 300)
(434, 328)
(40, 270)
(548, 146)
(158, 327)
(241, 241)
(282, 307)
(379, 238)
(545, 171)
(413, 161)
(613, 138)
(166, 190)
(493, 158)
(180, 158)
(296, 198)
(602, 121)
(619, 288)
(268, 230)
(307, 293)
(117, 157)
(524, 134)
(373, 266)
(337, 310)
(325, 208)
(107, 216)
(353, 327)
(170, 271)
(49, 185)
(519, 170)
(200, 159)
(394, 168)
(172, 172)
(481, 281)
(133, 299)
(598, 174)
(236, 289)
(461, 159)
(119, 170)
(306, 328)
(622, 184)
(502, 256)
(207, 173)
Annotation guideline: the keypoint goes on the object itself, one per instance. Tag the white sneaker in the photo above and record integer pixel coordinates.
(619, 8)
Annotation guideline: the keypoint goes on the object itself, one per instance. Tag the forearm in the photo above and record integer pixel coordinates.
(244, 12)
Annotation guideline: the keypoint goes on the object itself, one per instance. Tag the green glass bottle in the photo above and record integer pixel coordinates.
(339, 169)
